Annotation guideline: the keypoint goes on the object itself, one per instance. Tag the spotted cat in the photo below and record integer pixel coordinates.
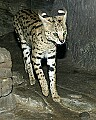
(38, 34)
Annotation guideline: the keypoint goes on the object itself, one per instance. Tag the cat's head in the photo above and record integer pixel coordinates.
(54, 26)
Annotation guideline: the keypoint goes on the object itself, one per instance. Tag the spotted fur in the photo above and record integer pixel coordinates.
(38, 34)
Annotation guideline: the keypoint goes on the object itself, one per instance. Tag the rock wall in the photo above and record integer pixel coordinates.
(5, 72)
(82, 32)
(7, 10)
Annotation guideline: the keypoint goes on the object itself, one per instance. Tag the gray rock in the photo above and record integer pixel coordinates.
(5, 58)
(5, 63)
(84, 116)
(22, 102)
(6, 86)
(7, 11)
(17, 78)
(5, 73)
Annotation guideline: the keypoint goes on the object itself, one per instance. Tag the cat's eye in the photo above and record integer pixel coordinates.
(55, 34)
(64, 33)
(61, 12)
(44, 15)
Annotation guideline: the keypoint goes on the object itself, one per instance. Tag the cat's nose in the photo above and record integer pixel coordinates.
(62, 41)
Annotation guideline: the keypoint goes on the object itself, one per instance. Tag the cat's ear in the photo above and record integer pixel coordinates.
(45, 22)
(63, 13)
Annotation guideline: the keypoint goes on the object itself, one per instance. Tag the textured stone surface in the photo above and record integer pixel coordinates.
(5, 58)
(5, 72)
(7, 11)
(82, 33)
(5, 86)
(20, 103)
(5, 63)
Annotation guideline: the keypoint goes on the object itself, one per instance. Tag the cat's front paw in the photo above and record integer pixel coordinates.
(32, 81)
(56, 98)
(45, 91)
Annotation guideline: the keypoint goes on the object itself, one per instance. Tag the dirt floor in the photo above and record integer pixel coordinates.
(77, 88)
